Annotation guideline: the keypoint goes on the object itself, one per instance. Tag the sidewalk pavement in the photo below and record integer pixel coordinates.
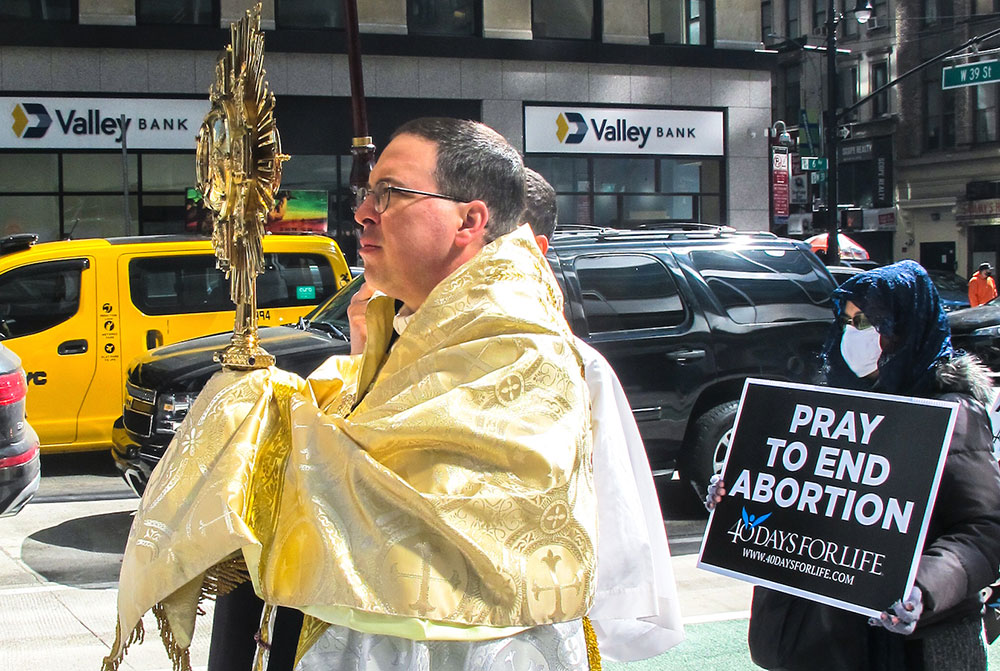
(59, 600)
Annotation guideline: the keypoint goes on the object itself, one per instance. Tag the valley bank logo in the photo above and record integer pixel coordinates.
(604, 130)
(26, 113)
(102, 123)
(562, 127)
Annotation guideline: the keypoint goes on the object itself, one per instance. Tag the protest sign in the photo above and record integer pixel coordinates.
(829, 492)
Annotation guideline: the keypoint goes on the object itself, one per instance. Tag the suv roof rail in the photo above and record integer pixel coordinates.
(17, 242)
(670, 231)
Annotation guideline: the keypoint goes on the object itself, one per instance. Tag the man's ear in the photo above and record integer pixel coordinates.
(473, 226)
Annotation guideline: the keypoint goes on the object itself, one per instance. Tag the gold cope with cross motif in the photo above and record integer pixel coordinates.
(239, 170)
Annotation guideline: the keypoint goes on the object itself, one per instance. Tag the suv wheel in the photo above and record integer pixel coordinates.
(713, 432)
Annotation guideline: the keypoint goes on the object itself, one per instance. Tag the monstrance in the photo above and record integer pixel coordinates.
(239, 170)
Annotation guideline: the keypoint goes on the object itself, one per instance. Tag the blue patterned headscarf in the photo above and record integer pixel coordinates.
(902, 303)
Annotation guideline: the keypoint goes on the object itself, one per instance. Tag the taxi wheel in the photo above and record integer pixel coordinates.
(713, 431)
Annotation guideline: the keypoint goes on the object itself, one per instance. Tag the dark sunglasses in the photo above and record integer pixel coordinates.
(858, 321)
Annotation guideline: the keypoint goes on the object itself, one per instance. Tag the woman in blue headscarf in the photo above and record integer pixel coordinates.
(892, 336)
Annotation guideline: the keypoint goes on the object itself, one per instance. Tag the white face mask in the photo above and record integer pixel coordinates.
(861, 350)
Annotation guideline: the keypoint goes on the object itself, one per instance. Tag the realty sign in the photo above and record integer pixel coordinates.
(829, 492)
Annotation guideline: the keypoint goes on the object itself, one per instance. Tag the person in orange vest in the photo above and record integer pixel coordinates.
(982, 288)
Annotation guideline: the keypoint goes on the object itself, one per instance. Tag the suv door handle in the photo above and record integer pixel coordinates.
(685, 355)
(72, 347)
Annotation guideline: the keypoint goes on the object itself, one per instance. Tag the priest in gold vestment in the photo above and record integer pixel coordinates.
(431, 497)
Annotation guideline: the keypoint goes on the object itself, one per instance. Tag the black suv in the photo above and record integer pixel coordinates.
(684, 316)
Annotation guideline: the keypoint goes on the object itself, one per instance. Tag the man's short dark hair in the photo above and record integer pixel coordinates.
(474, 162)
(539, 204)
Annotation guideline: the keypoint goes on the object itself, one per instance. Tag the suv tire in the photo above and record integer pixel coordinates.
(713, 432)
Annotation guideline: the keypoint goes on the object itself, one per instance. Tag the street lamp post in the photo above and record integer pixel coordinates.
(862, 12)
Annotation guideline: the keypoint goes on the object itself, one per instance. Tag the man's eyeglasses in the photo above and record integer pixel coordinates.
(380, 192)
(858, 321)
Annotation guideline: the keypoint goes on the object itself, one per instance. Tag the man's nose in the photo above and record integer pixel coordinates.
(366, 214)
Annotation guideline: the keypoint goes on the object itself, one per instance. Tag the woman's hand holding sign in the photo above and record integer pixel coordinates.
(716, 490)
(902, 616)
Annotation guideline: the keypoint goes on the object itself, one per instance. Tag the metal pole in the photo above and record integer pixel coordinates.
(832, 138)
(128, 215)
(362, 147)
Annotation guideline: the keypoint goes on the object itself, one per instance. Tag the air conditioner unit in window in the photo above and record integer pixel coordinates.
(875, 23)
(820, 30)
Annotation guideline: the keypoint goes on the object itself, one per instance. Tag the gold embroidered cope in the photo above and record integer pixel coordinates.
(455, 488)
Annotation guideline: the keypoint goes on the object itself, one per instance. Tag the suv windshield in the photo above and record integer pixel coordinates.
(334, 311)
(758, 286)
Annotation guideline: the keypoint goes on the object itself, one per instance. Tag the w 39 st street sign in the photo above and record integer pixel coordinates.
(970, 74)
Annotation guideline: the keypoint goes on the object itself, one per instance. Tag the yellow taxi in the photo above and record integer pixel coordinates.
(78, 311)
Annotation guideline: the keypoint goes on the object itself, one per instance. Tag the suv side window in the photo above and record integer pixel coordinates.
(758, 286)
(627, 291)
(39, 296)
(189, 284)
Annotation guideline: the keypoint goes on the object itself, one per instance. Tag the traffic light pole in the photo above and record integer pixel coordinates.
(832, 138)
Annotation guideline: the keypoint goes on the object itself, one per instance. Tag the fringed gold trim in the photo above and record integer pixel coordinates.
(111, 663)
(180, 658)
(593, 654)
(224, 577)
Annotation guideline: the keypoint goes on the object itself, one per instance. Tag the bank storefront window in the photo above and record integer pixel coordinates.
(27, 173)
(98, 172)
(627, 167)
(630, 192)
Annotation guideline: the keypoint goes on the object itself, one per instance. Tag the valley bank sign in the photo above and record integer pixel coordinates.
(29, 122)
(626, 130)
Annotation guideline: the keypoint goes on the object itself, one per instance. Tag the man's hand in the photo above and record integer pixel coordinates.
(716, 490)
(356, 317)
(902, 616)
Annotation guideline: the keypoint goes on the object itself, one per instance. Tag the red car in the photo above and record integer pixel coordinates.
(20, 467)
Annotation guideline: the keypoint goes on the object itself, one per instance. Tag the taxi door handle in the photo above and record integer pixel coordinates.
(72, 347)
(153, 339)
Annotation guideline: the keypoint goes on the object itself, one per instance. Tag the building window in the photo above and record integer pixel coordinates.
(678, 21)
(879, 78)
(186, 12)
(938, 11)
(766, 20)
(849, 88)
(309, 14)
(939, 114)
(986, 113)
(440, 17)
(56, 11)
(792, 93)
(792, 28)
(563, 18)
(851, 26)
(631, 191)
(819, 17)
(980, 7)
(880, 8)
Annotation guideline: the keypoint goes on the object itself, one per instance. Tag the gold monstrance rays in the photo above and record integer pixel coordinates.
(239, 170)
